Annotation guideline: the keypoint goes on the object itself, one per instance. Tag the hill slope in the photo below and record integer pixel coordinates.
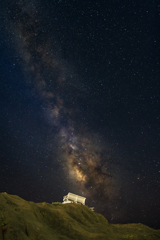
(23, 220)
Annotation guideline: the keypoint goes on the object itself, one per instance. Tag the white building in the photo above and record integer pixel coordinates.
(73, 198)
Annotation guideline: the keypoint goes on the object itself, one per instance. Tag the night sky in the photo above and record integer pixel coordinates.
(80, 104)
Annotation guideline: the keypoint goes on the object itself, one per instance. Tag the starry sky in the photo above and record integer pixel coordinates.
(80, 104)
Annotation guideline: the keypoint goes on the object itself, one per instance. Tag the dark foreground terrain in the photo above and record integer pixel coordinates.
(22, 220)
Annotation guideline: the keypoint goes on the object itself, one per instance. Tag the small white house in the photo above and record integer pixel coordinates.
(73, 198)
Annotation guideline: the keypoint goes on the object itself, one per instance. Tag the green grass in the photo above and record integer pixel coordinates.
(43, 221)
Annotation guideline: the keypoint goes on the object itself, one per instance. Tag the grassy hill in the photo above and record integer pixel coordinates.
(23, 220)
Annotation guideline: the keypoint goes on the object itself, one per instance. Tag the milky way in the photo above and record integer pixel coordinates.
(85, 157)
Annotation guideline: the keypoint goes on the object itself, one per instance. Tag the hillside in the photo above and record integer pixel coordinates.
(24, 220)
